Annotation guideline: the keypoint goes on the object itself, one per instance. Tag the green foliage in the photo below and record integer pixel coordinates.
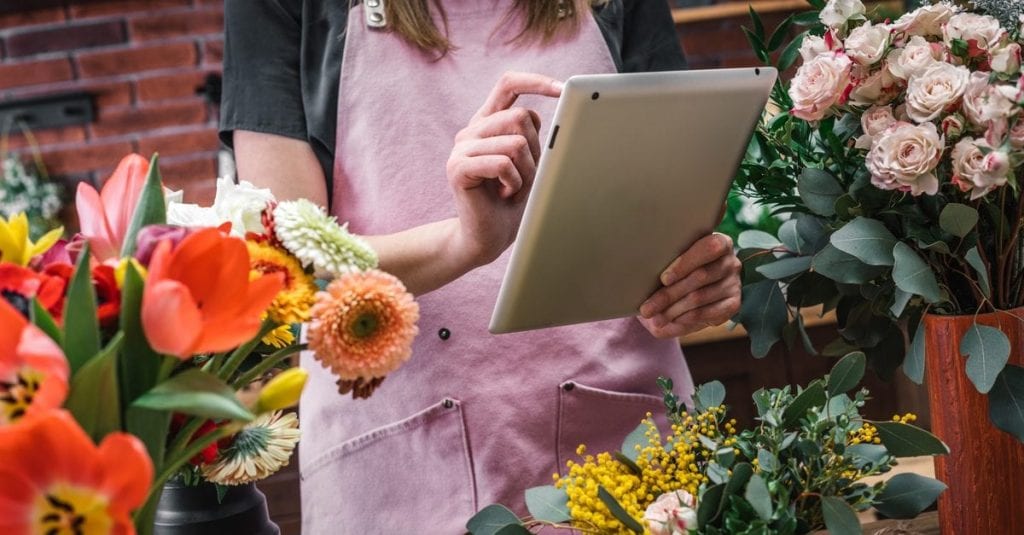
(151, 210)
(197, 393)
(81, 328)
(907, 495)
(548, 504)
(93, 398)
(492, 519)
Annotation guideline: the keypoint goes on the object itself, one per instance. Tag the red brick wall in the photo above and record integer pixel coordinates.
(144, 61)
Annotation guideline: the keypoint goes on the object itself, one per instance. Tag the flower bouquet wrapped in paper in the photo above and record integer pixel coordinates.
(121, 351)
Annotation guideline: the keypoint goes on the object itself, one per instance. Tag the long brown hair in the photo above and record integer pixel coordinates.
(543, 19)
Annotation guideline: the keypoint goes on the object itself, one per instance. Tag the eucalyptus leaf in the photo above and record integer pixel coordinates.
(846, 373)
(638, 437)
(844, 268)
(819, 191)
(767, 461)
(906, 495)
(717, 473)
(758, 497)
(786, 267)
(974, 259)
(708, 395)
(868, 240)
(792, 239)
(913, 365)
(812, 396)
(875, 454)
(514, 529)
(741, 474)
(710, 504)
(988, 351)
(1006, 401)
(814, 230)
(198, 393)
(757, 239)
(491, 519)
(763, 313)
(629, 463)
(913, 275)
(958, 219)
(548, 503)
(840, 519)
(617, 511)
(900, 301)
(905, 440)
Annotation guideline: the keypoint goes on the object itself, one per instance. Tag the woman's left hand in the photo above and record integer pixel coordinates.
(701, 288)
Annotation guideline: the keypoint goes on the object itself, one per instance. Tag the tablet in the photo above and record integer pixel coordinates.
(635, 169)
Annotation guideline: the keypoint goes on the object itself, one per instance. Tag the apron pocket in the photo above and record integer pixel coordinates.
(411, 476)
(600, 419)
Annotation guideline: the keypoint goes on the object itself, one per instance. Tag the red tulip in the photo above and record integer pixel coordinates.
(55, 480)
(198, 297)
(105, 216)
(33, 371)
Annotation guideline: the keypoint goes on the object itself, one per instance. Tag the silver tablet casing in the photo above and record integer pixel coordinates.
(635, 169)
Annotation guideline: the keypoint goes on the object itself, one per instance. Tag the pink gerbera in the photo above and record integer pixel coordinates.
(362, 329)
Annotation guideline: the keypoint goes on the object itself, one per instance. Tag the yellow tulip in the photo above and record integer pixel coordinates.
(122, 267)
(282, 391)
(15, 245)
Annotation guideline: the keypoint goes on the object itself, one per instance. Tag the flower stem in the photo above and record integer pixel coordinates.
(243, 351)
(268, 364)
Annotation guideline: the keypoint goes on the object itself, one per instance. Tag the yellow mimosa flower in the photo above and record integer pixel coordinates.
(15, 245)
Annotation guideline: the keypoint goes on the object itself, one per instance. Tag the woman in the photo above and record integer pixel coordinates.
(425, 135)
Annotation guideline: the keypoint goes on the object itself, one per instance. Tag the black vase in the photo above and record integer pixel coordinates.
(185, 510)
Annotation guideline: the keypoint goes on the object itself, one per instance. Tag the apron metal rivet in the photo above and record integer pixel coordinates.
(372, 3)
(447, 403)
(444, 333)
(376, 18)
(568, 386)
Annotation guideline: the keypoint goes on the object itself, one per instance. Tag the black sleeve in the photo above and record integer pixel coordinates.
(649, 38)
(262, 85)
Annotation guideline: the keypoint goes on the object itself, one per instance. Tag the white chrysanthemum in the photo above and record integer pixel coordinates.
(317, 239)
(259, 450)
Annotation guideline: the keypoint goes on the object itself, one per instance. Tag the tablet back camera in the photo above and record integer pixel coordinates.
(595, 96)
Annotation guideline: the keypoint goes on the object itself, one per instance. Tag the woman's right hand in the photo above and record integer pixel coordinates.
(492, 166)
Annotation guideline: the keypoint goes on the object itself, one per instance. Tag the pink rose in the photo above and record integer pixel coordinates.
(877, 88)
(819, 84)
(672, 513)
(837, 12)
(977, 172)
(1017, 134)
(867, 43)
(983, 102)
(914, 58)
(953, 126)
(931, 92)
(926, 21)
(876, 119)
(813, 46)
(904, 157)
(1006, 59)
(984, 30)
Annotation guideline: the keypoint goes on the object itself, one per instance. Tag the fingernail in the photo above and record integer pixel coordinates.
(668, 278)
(647, 309)
(558, 85)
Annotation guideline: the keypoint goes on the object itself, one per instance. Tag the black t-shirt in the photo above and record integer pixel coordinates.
(282, 62)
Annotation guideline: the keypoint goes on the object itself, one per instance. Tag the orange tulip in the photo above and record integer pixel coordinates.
(33, 370)
(105, 216)
(198, 297)
(55, 480)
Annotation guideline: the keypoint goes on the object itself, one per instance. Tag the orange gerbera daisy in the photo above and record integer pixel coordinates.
(33, 370)
(55, 480)
(363, 327)
(198, 297)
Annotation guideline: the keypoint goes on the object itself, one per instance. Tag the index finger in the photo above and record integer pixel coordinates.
(513, 84)
(704, 251)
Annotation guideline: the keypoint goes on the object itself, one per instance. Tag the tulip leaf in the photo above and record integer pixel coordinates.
(906, 495)
(846, 373)
(548, 504)
(81, 328)
(195, 392)
(151, 428)
(617, 511)
(139, 364)
(42, 319)
(868, 240)
(905, 440)
(913, 275)
(958, 219)
(491, 519)
(151, 210)
(988, 351)
(840, 519)
(93, 397)
(1006, 401)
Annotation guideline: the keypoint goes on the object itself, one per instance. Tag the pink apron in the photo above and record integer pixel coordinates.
(473, 418)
